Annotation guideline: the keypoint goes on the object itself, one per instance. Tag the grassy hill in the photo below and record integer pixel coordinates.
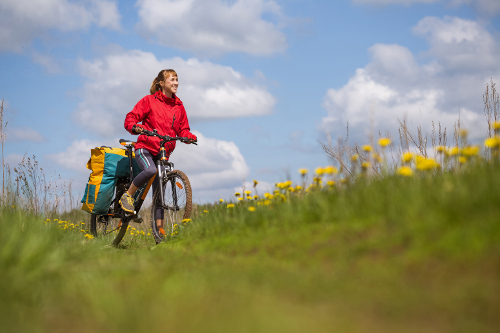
(400, 254)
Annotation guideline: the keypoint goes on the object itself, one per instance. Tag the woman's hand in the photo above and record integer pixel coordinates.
(192, 138)
(137, 129)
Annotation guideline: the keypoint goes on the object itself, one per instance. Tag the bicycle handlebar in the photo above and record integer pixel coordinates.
(166, 137)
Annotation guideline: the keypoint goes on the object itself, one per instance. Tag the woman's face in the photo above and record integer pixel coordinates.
(169, 86)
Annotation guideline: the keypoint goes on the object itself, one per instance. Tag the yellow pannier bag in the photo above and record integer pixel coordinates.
(107, 165)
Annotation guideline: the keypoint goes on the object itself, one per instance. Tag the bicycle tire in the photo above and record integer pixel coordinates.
(172, 215)
(107, 225)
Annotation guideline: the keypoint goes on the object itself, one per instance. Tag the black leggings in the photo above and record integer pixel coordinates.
(147, 162)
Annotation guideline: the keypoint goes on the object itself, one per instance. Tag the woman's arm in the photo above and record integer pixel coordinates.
(137, 115)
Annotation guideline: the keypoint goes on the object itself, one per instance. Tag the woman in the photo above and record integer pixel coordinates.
(163, 111)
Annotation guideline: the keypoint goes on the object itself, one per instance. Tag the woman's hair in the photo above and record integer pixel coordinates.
(162, 76)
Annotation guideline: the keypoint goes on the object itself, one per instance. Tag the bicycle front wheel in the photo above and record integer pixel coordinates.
(175, 205)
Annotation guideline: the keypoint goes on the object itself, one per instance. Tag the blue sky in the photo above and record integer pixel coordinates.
(262, 81)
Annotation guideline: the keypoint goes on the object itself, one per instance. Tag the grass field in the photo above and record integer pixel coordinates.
(400, 254)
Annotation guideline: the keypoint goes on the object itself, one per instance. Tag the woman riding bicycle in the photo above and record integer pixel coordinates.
(163, 111)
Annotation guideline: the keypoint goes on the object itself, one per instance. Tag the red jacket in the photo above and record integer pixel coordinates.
(157, 111)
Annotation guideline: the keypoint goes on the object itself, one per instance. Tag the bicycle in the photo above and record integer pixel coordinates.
(173, 196)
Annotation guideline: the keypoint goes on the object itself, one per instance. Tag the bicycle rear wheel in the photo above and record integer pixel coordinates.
(176, 203)
(109, 226)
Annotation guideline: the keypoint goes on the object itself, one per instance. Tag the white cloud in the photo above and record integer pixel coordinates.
(23, 134)
(115, 83)
(394, 85)
(213, 166)
(23, 20)
(76, 156)
(391, 2)
(214, 26)
(47, 62)
(485, 7)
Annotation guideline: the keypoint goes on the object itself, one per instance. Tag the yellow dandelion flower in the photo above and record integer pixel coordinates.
(354, 157)
(248, 192)
(303, 172)
(330, 183)
(237, 194)
(255, 182)
(298, 188)
(268, 195)
(453, 151)
(384, 142)
(251, 209)
(255, 197)
(330, 170)
(288, 183)
(440, 149)
(495, 125)
(463, 132)
(186, 220)
(493, 142)
(407, 157)
(470, 150)
(462, 159)
(317, 180)
(230, 205)
(426, 164)
(405, 171)
(205, 211)
(249, 197)
(366, 165)
(89, 236)
(221, 200)
(320, 171)
(367, 148)
(377, 158)
(267, 202)
(240, 199)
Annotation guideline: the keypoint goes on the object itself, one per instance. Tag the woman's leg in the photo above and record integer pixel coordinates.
(145, 161)
(159, 213)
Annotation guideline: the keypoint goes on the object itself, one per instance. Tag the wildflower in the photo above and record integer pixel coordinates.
(298, 188)
(377, 158)
(251, 209)
(249, 197)
(280, 185)
(255, 197)
(255, 182)
(470, 150)
(230, 205)
(330, 183)
(384, 142)
(493, 142)
(407, 157)
(248, 192)
(205, 211)
(317, 180)
(495, 125)
(440, 149)
(405, 171)
(267, 202)
(462, 159)
(320, 171)
(463, 133)
(453, 151)
(288, 183)
(354, 157)
(186, 220)
(221, 200)
(426, 163)
(237, 194)
(367, 148)
(268, 195)
(303, 172)
(240, 199)
(330, 170)
(366, 165)
(89, 236)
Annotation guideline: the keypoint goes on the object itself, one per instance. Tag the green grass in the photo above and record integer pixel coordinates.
(417, 254)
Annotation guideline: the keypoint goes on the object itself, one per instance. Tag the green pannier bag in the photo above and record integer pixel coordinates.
(107, 165)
